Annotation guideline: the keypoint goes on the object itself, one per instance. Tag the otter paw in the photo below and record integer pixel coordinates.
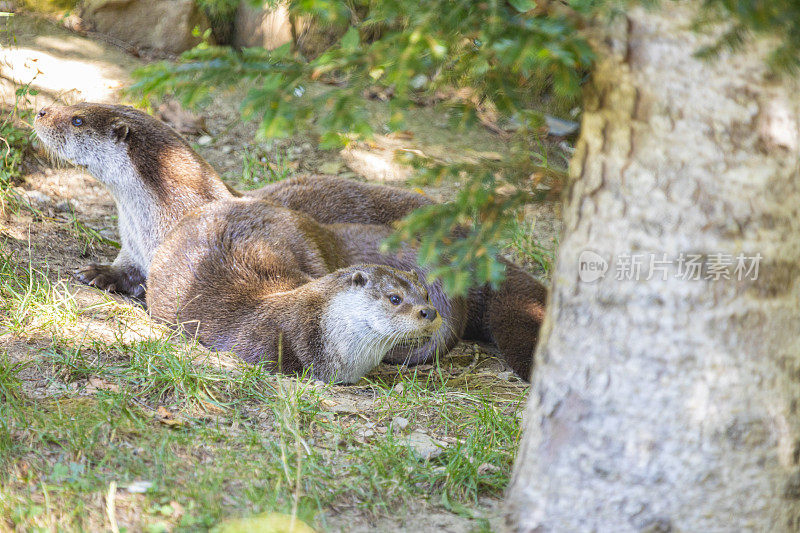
(100, 276)
(108, 278)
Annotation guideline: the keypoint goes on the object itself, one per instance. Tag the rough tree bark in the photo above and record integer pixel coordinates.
(672, 405)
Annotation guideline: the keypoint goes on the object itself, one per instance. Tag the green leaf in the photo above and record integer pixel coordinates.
(265, 523)
(522, 6)
(350, 40)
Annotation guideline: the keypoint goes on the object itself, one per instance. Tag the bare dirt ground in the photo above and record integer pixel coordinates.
(71, 221)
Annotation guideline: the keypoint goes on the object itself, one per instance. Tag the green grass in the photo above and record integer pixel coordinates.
(260, 168)
(15, 141)
(74, 447)
(239, 441)
(29, 301)
(88, 236)
(528, 250)
(50, 6)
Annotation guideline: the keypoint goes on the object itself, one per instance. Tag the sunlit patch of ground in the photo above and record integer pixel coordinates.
(60, 65)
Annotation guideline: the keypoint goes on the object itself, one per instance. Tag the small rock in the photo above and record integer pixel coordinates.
(331, 167)
(485, 468)
(37, 197)
(423, 446)
(560, 127)
(75, 23)
(400, 422)
(227, 149)
(65, 206)
(365, 433)
(306, 147)
(139, 487)
(204, 140)
(505, 376)
(342, 405)
(419, 81)
(564, 145)
(399, 388)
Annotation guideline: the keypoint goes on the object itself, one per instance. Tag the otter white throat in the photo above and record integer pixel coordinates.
(357, 337)
(152, 173)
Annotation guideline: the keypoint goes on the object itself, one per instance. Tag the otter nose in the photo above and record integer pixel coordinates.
(429, 314)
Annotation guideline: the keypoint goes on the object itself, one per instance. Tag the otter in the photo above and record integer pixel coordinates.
(230, 270)
(266, 310)
(152, 173)
(226, 262)
(331, 199)
(156, 180)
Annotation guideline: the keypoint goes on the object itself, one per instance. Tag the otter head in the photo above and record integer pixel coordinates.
(92, 135)
(396, 303)
(124, 148)
(374, 309)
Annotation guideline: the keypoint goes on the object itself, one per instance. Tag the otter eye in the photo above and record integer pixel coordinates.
(395, 299)
(77, 121)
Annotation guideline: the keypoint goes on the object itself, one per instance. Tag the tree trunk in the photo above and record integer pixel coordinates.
(672, 404)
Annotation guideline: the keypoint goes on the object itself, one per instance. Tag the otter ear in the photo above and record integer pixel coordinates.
(359, 279)
(120, 131)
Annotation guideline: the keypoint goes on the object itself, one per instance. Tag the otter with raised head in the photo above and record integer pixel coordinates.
(153, 174)
(156, 179)
(272, 286)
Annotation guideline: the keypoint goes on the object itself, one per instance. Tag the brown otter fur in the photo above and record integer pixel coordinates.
(210, 270)
(273, 286)
(332, 200)
(153, 174)
(156, 179)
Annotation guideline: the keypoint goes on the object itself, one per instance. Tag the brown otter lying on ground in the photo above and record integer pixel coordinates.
(274, 286)
(225, 266)
(156, 179)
